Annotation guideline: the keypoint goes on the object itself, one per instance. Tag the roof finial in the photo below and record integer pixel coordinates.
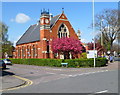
(41, 10)
(48, 11)
(62, 10)
(44, 9)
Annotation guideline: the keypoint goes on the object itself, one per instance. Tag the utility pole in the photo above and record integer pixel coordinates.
(94, 30)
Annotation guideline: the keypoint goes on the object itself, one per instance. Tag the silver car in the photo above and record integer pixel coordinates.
(2, 65)
(7, 61)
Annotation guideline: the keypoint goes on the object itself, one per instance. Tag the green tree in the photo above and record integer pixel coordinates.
(5, 45)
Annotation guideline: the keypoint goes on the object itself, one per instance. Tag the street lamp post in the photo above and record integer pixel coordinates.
(94, 31)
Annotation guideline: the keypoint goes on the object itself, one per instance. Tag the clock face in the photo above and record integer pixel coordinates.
(46, 21)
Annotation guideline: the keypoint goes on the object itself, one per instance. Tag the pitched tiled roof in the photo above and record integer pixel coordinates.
(53, 20)
(33, 32)
(31, 35)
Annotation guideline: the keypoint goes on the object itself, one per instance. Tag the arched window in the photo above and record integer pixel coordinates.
(28, 52)
(36, 50)
(19, 52)
(63, 31)
(33, 51)
(23, 52)
(48, 49)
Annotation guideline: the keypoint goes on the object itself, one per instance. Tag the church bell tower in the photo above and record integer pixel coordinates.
(45, 32)
(44, 21)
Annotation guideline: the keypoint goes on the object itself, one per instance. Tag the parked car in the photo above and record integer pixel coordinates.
(2, 64)
(7, 61)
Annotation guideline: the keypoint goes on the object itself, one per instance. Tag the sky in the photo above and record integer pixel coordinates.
(18, 16)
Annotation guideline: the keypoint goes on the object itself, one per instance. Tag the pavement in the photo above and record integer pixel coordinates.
(9, 79)
(9, 83)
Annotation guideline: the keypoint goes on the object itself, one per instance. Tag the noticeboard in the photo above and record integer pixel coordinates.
(91, 53)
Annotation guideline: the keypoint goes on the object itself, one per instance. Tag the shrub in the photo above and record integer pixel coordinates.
(38, 62)
(84, 55)
(57, 62)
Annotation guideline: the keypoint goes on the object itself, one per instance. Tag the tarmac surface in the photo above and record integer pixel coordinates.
(40, 74)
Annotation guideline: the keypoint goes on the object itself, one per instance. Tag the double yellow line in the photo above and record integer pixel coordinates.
(27, 83)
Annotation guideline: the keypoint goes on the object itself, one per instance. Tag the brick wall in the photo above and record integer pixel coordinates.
(41, 46)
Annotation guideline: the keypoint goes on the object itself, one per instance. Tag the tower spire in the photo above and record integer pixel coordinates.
(79, 34)
(62, 10)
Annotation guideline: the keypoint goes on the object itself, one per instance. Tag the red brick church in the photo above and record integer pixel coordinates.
(34, 43)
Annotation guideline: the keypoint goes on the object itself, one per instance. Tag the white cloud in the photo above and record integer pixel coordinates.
(84, 41)
(21, 18)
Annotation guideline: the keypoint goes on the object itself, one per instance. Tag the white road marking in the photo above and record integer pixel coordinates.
(102, 91)
(87, 73)
(57, 69)
(70, 75)
(64, 74)
(50, 73)
(95, 93)
(53, 69)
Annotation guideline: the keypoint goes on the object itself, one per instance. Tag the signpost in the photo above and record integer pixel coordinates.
(91, 53)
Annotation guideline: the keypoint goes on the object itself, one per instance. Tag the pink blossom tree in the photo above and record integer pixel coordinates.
(66, 46)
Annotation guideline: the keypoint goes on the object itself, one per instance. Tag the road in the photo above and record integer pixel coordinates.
(67, 80)
(117, 58)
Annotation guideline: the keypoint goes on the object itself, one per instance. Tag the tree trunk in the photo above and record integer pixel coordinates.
(111, 46)
(66, 55)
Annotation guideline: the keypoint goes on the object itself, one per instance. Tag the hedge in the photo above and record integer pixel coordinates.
(57, 62)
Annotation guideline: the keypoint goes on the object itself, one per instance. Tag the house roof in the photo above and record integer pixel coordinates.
(33, 32)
